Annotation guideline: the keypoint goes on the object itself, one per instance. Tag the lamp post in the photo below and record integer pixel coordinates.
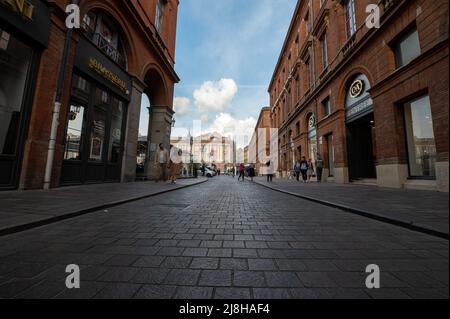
(191, 140)
(293, 152)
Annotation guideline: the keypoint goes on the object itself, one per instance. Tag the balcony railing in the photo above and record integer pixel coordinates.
(105, 46)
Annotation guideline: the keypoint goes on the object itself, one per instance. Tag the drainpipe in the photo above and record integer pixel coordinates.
(57, 107)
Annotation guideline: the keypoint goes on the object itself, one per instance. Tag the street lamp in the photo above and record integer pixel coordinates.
(191, 156)
(293, 152)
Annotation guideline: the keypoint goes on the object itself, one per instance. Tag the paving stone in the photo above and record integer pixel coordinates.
(271, 293)
(122, 260)
(233, 264)
(155, 292)
(119, 274)
(245, 253)
(232, 293)
(220, 252)
(261, 264)
(215, 278)
(249, 279)
(195, 252)
(282, 279)
(118, 291)
(149, 261)
(170, 251)
(194, 293)
(150, 276)
(205, 263)
(182, 277)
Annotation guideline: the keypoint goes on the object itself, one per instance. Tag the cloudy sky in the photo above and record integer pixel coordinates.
(225, 55)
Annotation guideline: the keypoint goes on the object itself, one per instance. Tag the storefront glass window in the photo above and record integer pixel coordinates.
(115, 143)
(15, 59)
(420, 138)
(74, 133)
(97, 140)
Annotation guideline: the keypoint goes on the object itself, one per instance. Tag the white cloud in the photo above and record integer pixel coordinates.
(181, 105)
(227, 125)
(215, 96)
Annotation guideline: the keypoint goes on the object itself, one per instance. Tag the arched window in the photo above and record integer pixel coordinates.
(101, 30)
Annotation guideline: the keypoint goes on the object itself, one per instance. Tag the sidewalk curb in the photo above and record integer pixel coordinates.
(51, 220)
(365, 213)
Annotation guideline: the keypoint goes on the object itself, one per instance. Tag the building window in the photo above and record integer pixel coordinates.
(326, 107)
(297, 128)
(159, 15)
(307, 24)
(324, 48)
(74, 135)
(420, 138)
(4, 40)
(407, 48)
(308, 73)
(102, 31)
(350, 18)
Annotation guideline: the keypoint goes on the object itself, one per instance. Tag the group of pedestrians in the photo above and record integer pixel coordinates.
(251, 172)
(307, 170)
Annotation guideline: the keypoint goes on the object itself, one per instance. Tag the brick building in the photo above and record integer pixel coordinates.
(123, 49)
(372, 101)
(259, 147)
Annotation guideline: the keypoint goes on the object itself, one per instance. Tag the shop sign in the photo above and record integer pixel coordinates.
(22, 7)
(107, 74)
(29, 17)
(357, 89)
(360, 108)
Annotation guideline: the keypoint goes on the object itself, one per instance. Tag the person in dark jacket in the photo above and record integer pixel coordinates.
(304, 167)
(251, 172)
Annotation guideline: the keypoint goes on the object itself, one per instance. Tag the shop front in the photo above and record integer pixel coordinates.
(360, 130)
(24, 33)
(96, 122)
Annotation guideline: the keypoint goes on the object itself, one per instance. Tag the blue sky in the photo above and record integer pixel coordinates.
(225, 56)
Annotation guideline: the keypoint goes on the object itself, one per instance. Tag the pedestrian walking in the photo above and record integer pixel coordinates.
(310, 172)
(241, 172)
(297, 170)
(162, 159)
(251, 172)
(270, 171)
(319, 168)
(175, 164)
(304, 166)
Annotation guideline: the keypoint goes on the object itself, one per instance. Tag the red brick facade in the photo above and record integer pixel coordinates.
(261, 135)
(369, 52)
(150, 58)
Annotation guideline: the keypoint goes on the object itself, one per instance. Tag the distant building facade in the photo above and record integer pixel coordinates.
(212, 149)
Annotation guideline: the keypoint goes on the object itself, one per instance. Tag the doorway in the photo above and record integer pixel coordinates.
(360, 141)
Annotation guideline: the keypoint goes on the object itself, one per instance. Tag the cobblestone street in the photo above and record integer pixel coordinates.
(223, 239)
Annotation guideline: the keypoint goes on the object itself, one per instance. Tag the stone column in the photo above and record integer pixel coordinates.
(159, 131)
(132, 133)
